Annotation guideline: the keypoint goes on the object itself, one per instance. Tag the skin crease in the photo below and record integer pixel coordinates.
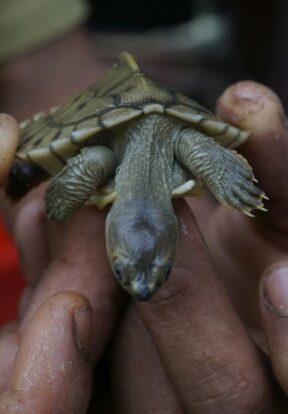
(189, 345)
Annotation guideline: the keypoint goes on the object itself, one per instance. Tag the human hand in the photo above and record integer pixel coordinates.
(251, 255)
(194, 352)
(250, 373)
(66, 315)
(187, 350)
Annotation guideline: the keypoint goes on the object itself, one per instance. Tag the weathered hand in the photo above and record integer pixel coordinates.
(67, 311)
(195, 352)
(66, 317)
(252, 255)
(208, 361)
(46, 362)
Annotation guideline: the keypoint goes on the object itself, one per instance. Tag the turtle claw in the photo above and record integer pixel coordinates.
(236, 187)
(239, 193)
(262, 208)
(247, 213)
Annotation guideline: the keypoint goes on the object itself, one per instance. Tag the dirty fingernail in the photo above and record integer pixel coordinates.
(275, 290)
(82, 331)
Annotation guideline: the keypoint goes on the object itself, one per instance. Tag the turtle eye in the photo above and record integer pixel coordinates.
(118, 272)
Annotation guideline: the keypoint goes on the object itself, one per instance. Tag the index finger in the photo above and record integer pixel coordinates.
(81, 266)
(203, 345)
(9, 138)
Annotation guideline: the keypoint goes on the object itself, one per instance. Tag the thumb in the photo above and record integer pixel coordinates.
(51, 371)
(256, 108)
(9, 137)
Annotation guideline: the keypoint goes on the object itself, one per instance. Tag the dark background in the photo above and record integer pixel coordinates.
(258, 33)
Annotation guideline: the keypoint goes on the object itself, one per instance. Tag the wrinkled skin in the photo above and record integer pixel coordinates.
(190, 344)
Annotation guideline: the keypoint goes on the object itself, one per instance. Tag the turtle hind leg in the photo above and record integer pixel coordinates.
(73, 186)
(23, 177)
(227, 174)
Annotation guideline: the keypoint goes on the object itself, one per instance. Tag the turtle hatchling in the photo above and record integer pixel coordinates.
(128, 141)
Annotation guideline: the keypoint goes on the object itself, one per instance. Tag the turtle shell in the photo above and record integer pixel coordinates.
(123, 94)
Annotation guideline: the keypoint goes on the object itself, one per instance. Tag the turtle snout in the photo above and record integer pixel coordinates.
(143, 286)
(141, 289)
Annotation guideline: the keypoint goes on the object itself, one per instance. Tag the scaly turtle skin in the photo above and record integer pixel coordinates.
(132, 142)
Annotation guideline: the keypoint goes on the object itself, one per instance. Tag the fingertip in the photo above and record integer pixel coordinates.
(256, 108)
(252, 106)
(60, 305)
(55, 345)
(275, 290)
(9, 138)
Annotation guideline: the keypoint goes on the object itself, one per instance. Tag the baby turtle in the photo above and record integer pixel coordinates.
(132, 142)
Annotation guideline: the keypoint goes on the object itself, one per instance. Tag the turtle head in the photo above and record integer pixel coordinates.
(140, 246)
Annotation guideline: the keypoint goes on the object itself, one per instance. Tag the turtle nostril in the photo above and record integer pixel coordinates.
(141, 292)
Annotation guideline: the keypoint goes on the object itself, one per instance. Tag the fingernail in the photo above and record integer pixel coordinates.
(275, 290)
(82, 331)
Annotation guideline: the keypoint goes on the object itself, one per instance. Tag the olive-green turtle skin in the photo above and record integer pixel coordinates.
(128, 141)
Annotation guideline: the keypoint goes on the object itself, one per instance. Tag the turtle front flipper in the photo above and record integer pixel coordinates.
(73, 186)
(227, 174)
